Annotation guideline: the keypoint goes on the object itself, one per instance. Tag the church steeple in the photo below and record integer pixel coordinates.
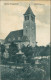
(29, 26)
(29, 11)
(29, 15)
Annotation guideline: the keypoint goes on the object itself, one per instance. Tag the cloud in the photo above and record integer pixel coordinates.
(42, 13)
(43, 33)
(41, 24)
(37, 9)
(11, 17)
(43, 36)
(45, 15)
(11, 23)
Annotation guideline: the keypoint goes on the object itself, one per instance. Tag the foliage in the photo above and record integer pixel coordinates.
(13, 49)
(2, 52)
(2, 48)
(27, 73)
(45, 51)
(28, 51)
(36, 72)
(45, 65)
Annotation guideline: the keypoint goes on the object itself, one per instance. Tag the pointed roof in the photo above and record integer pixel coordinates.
(16, 36)
(29, 11)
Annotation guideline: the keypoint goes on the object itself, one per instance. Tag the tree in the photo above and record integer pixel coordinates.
(45, 65)
(45, 51)
(13, 49)
(2, 52)
(2, 48)
(28, 51)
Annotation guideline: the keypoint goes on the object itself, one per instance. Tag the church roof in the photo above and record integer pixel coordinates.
(16, 36)
(29, 11)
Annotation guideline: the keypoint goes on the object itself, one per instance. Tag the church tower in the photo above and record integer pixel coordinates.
(29, 26)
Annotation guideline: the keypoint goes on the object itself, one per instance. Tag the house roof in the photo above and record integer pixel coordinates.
(29, 11)
(16, 36)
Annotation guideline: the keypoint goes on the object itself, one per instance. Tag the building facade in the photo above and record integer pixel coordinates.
(29, 26)
(27, 35)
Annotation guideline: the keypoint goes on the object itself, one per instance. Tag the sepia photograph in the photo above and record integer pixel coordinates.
(25, 40)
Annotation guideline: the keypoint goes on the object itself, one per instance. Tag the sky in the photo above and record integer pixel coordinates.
(11, 18)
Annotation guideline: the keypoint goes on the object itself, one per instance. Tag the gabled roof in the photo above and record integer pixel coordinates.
(29, 11)
(16, 36)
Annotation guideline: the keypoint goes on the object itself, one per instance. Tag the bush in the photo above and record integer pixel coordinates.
(13, 49)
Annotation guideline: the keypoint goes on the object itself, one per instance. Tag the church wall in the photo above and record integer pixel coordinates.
(30, 30)
(26, 29)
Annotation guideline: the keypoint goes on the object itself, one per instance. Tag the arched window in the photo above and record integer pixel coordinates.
(26, 17)
(32, 18)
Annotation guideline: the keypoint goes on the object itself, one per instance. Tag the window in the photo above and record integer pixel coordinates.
(26, 17)
(32, 18)
(18, 38)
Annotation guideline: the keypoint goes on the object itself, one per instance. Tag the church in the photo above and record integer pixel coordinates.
(27, 35)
